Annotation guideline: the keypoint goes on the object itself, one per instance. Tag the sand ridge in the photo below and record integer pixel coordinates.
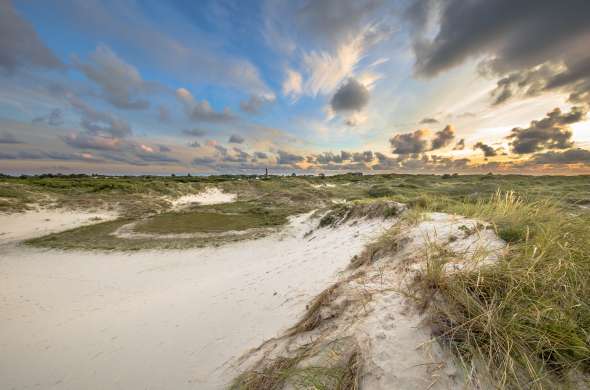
(76, 319)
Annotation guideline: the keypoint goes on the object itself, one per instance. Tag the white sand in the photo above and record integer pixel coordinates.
(21, 226)
(155, 319)
(211, 195)
(395, 341)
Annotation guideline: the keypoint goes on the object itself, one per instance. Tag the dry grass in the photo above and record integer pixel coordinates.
(313, 315)
(272, 376)
(324, 367)
(524, 322)
(389, 243)
(342, 213)
(351, 377)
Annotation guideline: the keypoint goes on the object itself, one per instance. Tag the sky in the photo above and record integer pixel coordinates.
(209, 87)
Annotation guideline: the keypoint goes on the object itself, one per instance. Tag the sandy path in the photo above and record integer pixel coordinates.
(158, 319)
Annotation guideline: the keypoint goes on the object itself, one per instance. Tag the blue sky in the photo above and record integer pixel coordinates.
(307, 86)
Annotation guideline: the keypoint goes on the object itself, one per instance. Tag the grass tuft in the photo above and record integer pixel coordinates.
(525, 321)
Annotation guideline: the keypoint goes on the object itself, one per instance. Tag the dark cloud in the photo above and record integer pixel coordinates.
(409, 143)
(326, 157)
(260, 155)
(287, 158)
(419, 163)
(204, 160)
(535, 45)
(20, 45)
(351, 96)
(9, 138)
(44, 155)
(551, 132)
(96, 142)
(156, 157)
(54, 118)
(164, 148)
(460, 145)
(428, 121)
(339, 158)
(100, 123)
(366, 156)
(487, 150)
(419, 141)
(571, 156)
(236, 139)
(194, 144)
(237, 156)
(202, 111)
(255, 103)
(221, 149)
(195, 132)
(528, 82)
(120, 82)
(443, 138)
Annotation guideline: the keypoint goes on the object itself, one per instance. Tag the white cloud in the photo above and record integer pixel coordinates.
(292, 86)
(202, 111)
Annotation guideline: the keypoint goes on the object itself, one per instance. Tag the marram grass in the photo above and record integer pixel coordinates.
(525, 322)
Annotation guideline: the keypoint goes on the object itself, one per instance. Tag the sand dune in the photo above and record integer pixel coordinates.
(155, 319)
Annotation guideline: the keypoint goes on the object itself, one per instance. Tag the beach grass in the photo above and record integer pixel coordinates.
(524, 322)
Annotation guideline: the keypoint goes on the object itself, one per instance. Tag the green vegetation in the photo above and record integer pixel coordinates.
(235, 216)
(338, 369)
(526, 320)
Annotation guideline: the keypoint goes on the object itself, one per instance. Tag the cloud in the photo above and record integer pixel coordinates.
(420, 163)
(204, 160)
(192, 57)
(571, 156)
(195, 132)
(287, 158)
(551, 132)
(100, 123)
(44, 155)
(20, 45)
(460, 145)
(154, 157)
(527, 82)
(119, 81)
(255, 103)
(202, 111)
(260, 155)
(237, 156)
(366, 156)
(428, 121)
(235, 139)
(292, 86)
(164, 148)
(9, 138)
(343, 160)
(525, 42)
(487, 150)
(194, 144)
(331, 21)
(90, 141)
(54, 118)
(409, 143)
(326, 70)
(351, 96)
(220, 148)
(420, 141)
(443, 138)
